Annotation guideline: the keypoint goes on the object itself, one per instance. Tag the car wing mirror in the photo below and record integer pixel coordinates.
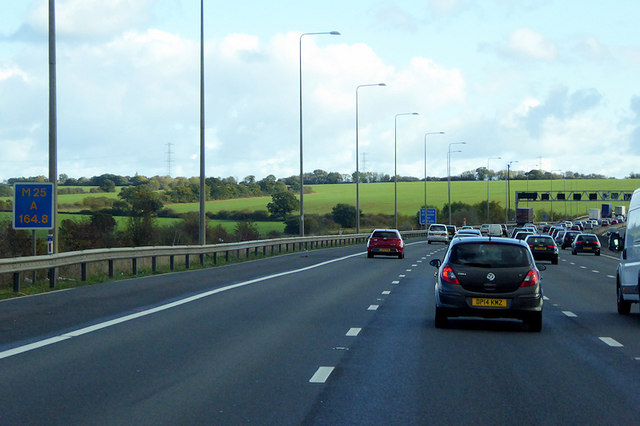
(435, 262)
(541, 267)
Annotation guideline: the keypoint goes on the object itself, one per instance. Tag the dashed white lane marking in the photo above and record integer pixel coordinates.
(595, 271)
(373, 307)
(395, 282)
(353, 332)
(583, 267)
(386, 292)
(414, 265)
(321, 375)
(408, 270)
(570, 314)
(610, 276)
(611, 342)
(401, 276)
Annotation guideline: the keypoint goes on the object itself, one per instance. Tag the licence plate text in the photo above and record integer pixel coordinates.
(484, 302)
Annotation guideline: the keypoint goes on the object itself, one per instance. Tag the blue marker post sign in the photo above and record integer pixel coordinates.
(32, 206)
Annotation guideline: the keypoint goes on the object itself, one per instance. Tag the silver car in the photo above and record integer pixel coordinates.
(489, 278)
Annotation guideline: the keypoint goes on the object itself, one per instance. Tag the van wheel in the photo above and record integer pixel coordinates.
(624, 306)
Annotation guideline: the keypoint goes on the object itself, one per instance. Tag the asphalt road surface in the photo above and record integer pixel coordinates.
(325, 337)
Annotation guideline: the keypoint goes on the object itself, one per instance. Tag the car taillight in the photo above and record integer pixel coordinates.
(578, 241)
(531, 279)
(449, 276)
(551, 246)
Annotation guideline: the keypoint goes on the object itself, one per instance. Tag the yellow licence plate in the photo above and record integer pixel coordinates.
(385, 249)
(540, 248)
(491, 303)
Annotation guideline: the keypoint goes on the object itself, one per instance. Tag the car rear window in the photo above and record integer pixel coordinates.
(588, 238)
(540, 240)
(489, 255)
(384, 234)
(437, 228)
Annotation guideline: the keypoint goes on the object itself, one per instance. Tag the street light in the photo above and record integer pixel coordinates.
(301, 163)
(425, 173)
(449, 173)
(506, 214)
(490, 158)
(357, 165)
(395, 167)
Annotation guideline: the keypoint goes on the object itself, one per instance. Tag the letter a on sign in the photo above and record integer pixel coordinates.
(33, 206)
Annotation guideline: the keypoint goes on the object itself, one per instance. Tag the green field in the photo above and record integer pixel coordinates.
(378, 198)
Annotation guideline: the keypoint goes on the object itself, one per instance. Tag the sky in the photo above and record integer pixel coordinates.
(545, 84)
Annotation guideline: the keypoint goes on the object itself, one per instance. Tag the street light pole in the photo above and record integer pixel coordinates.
(301, 157)
(449, 173)
(509, 189)
(425, 173)
(488, 179)
(357, 163)
(395, 167)
(551, 192)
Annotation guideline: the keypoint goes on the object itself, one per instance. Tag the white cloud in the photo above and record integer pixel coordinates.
(525, 42)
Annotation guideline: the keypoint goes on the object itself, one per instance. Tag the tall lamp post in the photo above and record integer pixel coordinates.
(301, 157)
(449, 173)
(357, 154)
(506, 215)
(488, 179)
(395, 167)
(202, 224)
(425, 172)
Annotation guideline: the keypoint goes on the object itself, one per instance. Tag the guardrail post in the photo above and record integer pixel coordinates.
(83, 273)
(215, 257)
(52, 277)
(154, 264)
(264, 250)
(134, 266)
(186, 262)
(201, 259)
(247, 253)
(16, 282)
(110, 268)
(226, 256)
(172, 262)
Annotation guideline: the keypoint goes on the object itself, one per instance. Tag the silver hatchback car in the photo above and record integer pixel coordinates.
(490, 278)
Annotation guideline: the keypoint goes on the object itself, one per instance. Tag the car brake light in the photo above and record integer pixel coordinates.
(531, 279)
(578, 241)
(449, 276)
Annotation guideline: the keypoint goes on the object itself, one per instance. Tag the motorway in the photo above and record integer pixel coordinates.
(323, 337)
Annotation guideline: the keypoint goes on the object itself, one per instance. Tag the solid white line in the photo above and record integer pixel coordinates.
(321, 375)
(570, 314)
(611, 342)
(353, 332)
(373, 307)
(90, 329)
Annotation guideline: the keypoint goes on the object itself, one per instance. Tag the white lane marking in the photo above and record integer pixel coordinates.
(611, 342)
(373, 307)
(386, 292)
(595, 271)
(570, 314)
(545, 298)
(395, 282)
(583, 267)
(321, 375)
(96, 327)
(419, 261)
(610, 276)
(401, 276)
(571, 263)
(414, 265)
(408, 270)
(353, 332)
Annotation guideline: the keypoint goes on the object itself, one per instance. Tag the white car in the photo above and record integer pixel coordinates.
(437, 233)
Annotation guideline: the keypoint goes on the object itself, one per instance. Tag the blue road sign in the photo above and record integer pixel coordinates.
(422, 216)
(32, 206)
(431, 216)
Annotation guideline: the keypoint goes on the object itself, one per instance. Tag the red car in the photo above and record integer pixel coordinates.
(387, 242)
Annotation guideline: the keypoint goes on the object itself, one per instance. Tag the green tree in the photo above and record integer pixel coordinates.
(247, 231)
(344, 214)
(108, 185)
(144, 205)
(282, 203)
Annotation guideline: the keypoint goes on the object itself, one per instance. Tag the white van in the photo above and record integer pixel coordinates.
(628, 273)
(495, 230)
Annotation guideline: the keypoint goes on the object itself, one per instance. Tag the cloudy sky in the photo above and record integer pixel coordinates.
(551, 84)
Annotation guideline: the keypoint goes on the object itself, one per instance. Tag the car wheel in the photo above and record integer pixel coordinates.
(534, 322)
(624, 306)
(400, 255)
(428, 242)
(597, 253)
(441, 318)
(574, 252)
(369, 255)
(554, 261)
